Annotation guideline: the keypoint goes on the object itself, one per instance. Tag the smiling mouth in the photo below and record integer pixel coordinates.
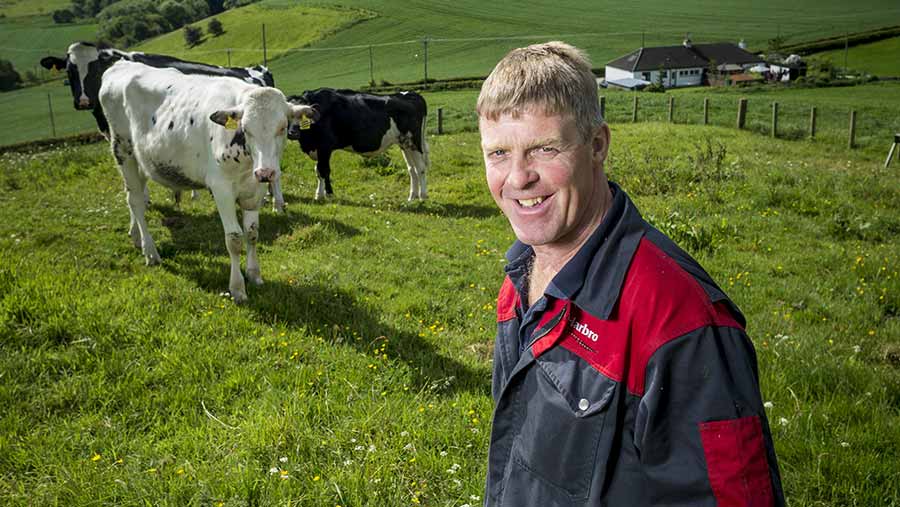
(530, 203)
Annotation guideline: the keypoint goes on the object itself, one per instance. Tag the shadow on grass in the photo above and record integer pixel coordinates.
(316, 306)
(194, 231)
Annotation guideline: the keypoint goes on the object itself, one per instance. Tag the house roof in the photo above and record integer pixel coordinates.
(680, 57)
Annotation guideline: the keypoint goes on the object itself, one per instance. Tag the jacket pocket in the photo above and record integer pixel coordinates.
(564, 402)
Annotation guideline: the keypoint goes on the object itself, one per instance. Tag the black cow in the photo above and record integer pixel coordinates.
(366, 124)
(85, 64)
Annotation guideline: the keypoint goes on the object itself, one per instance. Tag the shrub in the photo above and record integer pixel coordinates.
(215, 27)
(9, 78)
(192, 35)
(62, 16)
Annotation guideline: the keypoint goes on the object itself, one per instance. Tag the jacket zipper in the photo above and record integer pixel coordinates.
(549, 328)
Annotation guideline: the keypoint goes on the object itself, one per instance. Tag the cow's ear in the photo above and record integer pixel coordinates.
(298, 112)
(228, 118)
(53, 63)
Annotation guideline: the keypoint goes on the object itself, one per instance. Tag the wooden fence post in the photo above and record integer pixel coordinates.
(603, 107)
(52, 121)
(852, 128)
(812, 122)
(671, 109)
(774, 119)
(634, 110)
(891, 153)
(706, 111)
(440, 120)
(742, 113)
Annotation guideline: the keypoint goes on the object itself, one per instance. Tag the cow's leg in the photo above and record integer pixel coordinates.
(251, 232)
(323, 171)
(277, 196)
(136, 191)
(415, 164)
(195, 195)
(234, 239)
(176, 196)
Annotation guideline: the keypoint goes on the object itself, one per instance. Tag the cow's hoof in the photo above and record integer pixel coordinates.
(152, 259)
(278, 209)
(239, 298)
(254, 277)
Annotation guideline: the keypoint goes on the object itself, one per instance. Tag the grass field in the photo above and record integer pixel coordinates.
(288, 26)
(18, 8)
(358, 375)
(878, 58)
(24, 41)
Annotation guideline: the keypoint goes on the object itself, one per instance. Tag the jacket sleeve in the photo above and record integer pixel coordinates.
(701, 431)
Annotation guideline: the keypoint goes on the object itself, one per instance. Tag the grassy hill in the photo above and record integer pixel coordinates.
(288, 26)
(358, 375)
(25, 40)
(880, 58)
(331, 45)
(18, 8)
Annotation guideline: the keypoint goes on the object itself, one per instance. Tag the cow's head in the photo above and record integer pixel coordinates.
(84, 63)
(263, 117)
(319, 105)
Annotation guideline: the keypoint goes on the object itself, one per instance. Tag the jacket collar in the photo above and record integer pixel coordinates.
(593, 278)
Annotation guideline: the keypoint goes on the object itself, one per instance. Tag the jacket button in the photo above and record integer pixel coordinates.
(583, 404)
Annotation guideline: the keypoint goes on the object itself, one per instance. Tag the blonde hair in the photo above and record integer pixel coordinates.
(553, 77)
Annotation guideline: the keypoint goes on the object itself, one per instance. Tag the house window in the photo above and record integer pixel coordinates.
(646, 76)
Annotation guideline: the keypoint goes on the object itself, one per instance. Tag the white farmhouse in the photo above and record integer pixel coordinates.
(684, 65)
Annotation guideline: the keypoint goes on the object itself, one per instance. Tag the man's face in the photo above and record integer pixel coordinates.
(547, 181)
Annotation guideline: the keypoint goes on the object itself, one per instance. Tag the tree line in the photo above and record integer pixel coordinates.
(127, 22)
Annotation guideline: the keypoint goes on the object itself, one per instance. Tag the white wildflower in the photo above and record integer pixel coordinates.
(443, 453)
(856, 349)
(768, 404)
(782, 421)
(404, 433)
(372, 448)
(358, 448)
(845, 444)
(274, 470)
(283, 459)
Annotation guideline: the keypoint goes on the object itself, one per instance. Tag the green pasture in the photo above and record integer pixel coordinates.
(880, 58)
(19, 8)
(358, 374)
(25, 40)
(287, 24)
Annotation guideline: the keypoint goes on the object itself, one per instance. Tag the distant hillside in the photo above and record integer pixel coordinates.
(16, 8)
(288, 26)
(880, 58)
(25, 40)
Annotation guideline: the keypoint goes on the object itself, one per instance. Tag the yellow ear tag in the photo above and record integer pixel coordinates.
(305, 123)
(231, 123)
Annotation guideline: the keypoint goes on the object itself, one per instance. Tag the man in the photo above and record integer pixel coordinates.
(622, 373)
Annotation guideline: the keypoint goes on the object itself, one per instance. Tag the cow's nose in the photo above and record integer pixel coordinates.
(84, 101)
(264, 175)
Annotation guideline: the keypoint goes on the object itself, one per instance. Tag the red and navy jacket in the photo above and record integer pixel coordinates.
(630, 383)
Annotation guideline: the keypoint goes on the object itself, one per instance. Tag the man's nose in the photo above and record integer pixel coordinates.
(521, 173)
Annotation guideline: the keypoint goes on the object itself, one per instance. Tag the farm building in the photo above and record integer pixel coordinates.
(684, 65)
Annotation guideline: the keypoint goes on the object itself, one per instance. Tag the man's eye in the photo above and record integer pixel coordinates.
(497, 153)
(547, 149)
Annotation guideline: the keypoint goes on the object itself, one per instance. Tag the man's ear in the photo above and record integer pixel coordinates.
(600, 143)
(228, 118)
(53, 63)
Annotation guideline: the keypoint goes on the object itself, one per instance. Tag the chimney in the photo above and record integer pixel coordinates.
(742, 44)
(687, 41)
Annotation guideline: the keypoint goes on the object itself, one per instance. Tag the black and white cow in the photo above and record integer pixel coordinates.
(366, 124)
(196, 131)
(85, 65)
